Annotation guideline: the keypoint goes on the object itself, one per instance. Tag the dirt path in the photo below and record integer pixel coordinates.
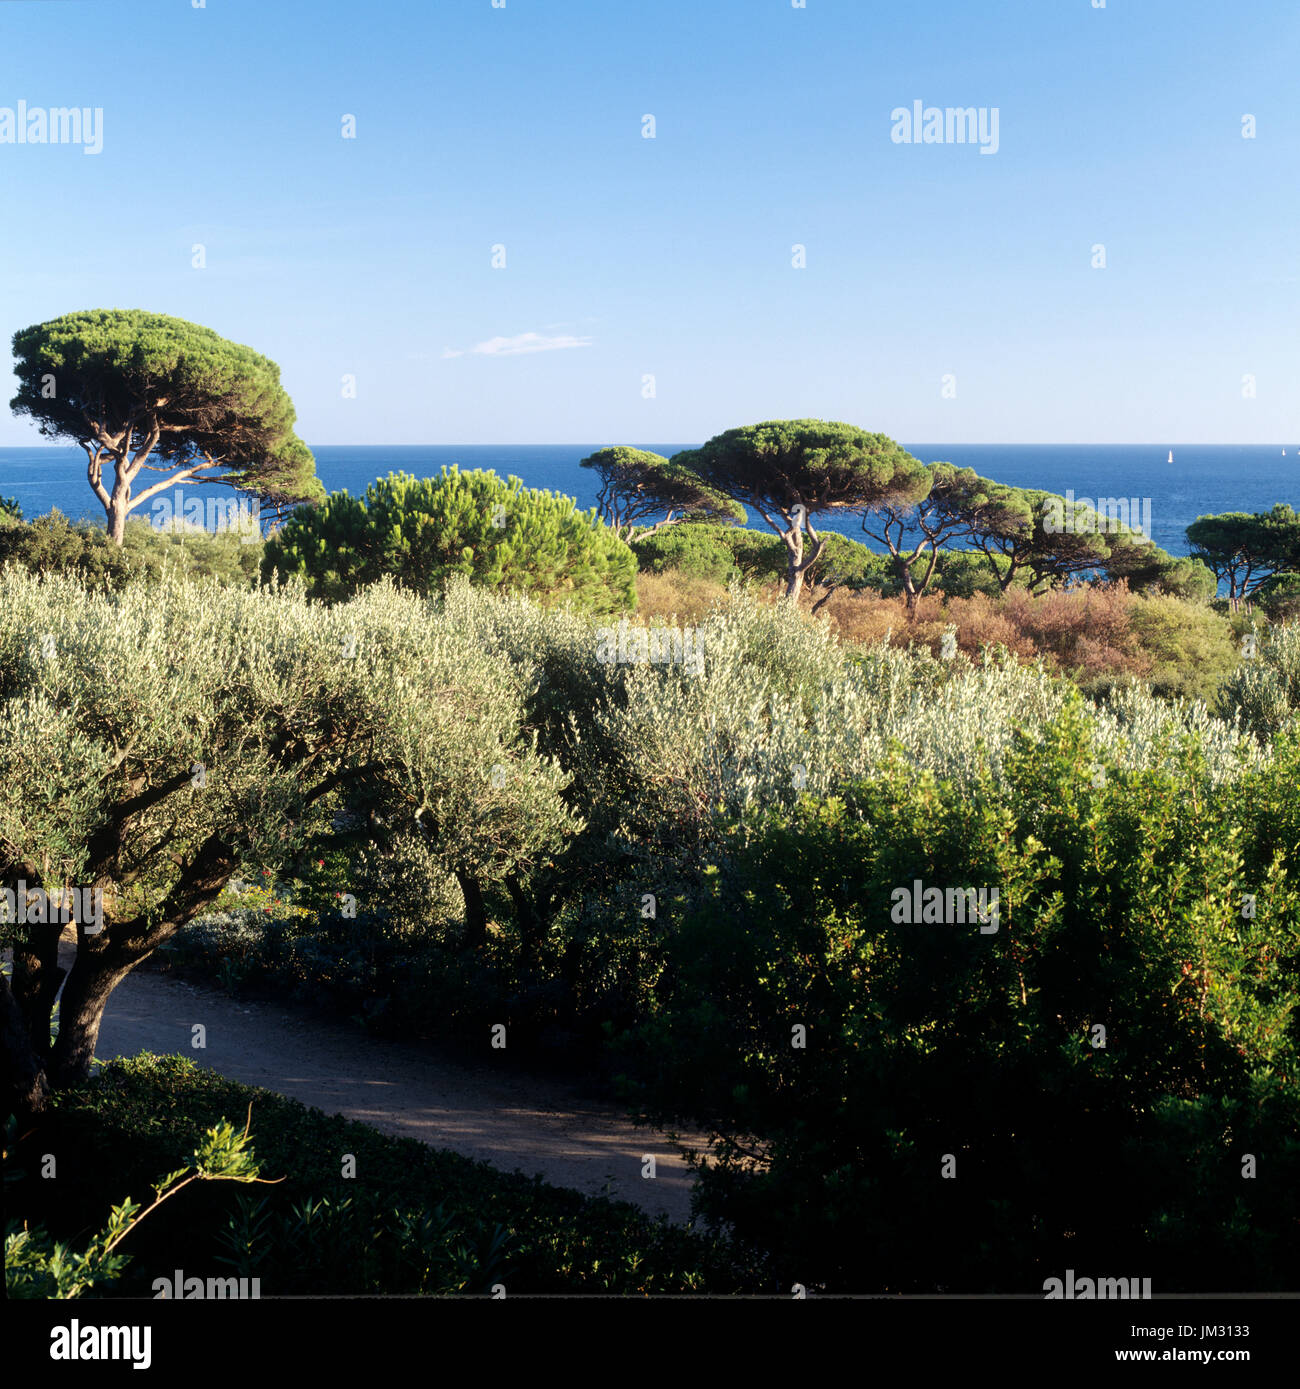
(535, 1125)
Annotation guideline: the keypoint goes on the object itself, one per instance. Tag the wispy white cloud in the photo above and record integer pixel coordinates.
(519, 344)
(527, 342)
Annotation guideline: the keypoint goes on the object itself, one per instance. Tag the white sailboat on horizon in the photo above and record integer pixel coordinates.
(1171, 455)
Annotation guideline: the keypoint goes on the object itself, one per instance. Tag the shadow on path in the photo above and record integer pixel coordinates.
(512, 1121)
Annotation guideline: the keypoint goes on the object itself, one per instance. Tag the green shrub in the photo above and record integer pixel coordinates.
(844, 563)
(1192, 648)
(721, 554)
(420, 533)
(947, 1119)
(1279, 598)
(53, 545)
(38, 1267)
(758, 555)
(693, 548)
(1192, 580)
(1269, 809)
(851, 565)
(226, 555)
(964, 573)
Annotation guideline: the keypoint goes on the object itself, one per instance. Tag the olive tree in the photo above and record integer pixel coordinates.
(157, 740)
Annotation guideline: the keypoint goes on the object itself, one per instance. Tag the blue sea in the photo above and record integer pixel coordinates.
(1202, 479)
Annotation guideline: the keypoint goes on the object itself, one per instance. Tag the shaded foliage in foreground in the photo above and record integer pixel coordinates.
(1142, 901)
(414, 1219)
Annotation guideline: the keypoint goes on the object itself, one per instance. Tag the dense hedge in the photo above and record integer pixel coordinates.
(952, 1119)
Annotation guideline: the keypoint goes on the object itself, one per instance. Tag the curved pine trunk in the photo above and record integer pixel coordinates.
(800, 561)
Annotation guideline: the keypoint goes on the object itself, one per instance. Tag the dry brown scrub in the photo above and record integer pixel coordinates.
(1098, 635)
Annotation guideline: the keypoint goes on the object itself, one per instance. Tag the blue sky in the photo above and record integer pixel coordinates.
(671, 257)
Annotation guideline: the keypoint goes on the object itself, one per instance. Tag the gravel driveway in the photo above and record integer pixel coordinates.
(483, 1111)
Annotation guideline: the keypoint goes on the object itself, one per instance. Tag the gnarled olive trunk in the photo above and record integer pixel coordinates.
(104, 959)
(100, 967)
(475, 911)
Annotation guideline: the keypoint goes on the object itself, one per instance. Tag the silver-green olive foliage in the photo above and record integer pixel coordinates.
(154, 741)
